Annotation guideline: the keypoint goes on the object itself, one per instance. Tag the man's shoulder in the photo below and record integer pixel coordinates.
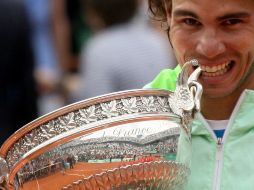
(166, 79)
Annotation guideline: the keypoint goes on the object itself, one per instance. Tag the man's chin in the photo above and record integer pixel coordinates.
(216, 93)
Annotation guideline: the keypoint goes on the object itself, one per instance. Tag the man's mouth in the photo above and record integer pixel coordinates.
(213, 71)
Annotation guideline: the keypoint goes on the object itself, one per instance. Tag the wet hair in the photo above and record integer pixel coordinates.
(113, 11)
(158, 9)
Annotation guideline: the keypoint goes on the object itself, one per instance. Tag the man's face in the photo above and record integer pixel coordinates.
(220, 35)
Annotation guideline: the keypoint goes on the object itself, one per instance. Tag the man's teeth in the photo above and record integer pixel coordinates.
(215, 70)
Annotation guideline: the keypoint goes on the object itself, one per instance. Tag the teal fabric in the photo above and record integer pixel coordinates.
(237, 171)
(238, 150)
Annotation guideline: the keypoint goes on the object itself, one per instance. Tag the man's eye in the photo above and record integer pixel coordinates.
(232, 21)
(191, 22)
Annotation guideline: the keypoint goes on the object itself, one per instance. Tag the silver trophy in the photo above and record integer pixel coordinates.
(126, 140)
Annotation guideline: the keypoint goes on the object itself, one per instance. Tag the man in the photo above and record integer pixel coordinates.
(220, 35)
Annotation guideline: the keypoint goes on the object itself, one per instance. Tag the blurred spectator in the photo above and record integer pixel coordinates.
(71, 33)
(47, 70)
(126, 52)
(80, 32)
(18, 90)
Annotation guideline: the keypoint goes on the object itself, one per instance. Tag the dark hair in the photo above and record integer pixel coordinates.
(159, 12)
(113, 11)
(158, 9)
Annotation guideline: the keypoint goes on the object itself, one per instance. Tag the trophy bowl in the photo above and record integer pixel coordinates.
(125, 140)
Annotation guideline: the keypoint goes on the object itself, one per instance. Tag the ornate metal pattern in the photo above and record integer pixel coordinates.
(181, 101)
(65, 122)
(3, 172)
(158, 175)
(86, 115)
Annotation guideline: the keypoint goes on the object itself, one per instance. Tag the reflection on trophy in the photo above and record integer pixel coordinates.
(129, 140)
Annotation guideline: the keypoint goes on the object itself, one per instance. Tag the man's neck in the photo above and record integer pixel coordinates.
(218, 108)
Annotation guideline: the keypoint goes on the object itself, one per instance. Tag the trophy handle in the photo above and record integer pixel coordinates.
(185, 101)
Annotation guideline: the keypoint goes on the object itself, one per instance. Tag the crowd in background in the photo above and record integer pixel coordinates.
(56, 52)
(63, 157)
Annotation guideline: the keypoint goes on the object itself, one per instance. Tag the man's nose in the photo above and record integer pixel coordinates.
(210, 44)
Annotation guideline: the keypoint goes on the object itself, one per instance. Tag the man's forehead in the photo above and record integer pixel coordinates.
(223, 3)
(219, 7)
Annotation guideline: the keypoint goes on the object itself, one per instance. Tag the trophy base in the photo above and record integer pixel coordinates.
(155, 175)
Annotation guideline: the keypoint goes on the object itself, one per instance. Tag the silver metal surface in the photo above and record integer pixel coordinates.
(3, 173)
(123, 140)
